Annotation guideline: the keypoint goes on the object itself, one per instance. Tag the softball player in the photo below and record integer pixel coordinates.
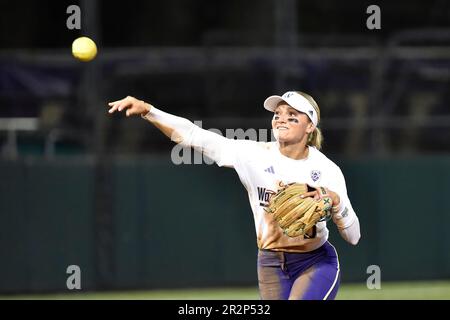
(304, 267)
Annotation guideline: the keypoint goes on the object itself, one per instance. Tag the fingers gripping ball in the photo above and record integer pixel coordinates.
(296, 215)
(84, 49)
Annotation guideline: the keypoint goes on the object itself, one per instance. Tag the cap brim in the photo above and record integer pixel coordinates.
(296, 101)
(272, 102)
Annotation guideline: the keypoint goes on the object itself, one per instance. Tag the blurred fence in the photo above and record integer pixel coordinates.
(376, 99)
(191, 226)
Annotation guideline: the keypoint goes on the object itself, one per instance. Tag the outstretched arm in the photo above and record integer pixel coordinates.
(179, 130)
(134, 106)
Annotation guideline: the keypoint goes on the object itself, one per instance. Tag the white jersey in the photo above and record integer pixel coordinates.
(262, 169)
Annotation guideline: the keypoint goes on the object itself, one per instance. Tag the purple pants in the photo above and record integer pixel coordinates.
(313, 275)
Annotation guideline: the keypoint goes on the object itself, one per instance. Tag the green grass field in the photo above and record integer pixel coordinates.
(433, 290)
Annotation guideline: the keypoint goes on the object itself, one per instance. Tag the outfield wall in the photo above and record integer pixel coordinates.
(146, 223)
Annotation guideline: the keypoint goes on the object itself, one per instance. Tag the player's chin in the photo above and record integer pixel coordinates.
(284, 136)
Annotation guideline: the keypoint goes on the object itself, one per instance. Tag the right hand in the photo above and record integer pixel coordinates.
(132, 106)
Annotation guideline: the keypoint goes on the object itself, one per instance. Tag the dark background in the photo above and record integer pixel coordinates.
(81, 187)
(41, 24)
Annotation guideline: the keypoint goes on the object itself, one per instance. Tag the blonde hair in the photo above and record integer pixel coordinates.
(315, 138)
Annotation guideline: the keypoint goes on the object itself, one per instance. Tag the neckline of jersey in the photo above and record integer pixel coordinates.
(294, 160)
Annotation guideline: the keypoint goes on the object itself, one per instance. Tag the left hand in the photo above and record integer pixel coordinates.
(317, 194)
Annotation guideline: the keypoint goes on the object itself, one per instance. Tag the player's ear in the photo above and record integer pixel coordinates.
(310, 127)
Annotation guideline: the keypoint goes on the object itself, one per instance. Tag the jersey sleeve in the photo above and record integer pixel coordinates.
(221, 150)
(345, 218)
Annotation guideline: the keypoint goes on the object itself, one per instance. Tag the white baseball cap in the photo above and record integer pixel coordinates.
(296, 101)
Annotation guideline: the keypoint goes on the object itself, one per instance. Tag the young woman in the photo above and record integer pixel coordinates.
(304, 267)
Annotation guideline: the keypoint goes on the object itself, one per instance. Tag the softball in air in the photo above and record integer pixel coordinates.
(84, 49)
